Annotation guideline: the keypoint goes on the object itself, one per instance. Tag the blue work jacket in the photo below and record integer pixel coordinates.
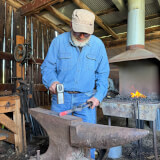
(77, 70)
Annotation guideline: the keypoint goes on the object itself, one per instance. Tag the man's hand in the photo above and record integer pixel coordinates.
(52, 88)
(95, 102)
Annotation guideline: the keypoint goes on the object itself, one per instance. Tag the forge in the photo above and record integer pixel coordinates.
(139, 69)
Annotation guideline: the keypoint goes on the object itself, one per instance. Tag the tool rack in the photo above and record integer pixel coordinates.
(12, 131)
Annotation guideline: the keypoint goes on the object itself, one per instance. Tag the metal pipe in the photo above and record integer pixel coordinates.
(136, 23)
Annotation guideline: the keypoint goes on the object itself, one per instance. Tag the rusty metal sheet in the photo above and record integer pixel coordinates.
(134, 54)
(126, 109)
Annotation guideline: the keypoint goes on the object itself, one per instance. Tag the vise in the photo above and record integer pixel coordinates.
(69, 137)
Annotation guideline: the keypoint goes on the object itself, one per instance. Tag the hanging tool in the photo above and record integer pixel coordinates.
(77, 108)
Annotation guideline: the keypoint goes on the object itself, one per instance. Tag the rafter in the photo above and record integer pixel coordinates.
(97, 19)
(36, 5)
(47, 21)
(40, 18)
(65, 3)
(151, 34)
(106, 11)
(58, 14)
(14, 3)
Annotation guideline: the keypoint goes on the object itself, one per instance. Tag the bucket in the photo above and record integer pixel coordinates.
(115, 152)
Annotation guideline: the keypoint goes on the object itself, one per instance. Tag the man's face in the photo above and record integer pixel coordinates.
(80, 36)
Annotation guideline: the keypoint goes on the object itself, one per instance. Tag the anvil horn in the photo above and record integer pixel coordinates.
(68, 134)
(103, 136)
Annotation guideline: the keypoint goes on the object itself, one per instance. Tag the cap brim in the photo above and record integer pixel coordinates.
(83, 28)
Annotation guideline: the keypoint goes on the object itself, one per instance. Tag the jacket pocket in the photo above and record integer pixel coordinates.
(64, 61)
(91, 62)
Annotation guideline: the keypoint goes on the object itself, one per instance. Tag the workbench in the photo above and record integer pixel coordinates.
(12, 131)
(147, 111)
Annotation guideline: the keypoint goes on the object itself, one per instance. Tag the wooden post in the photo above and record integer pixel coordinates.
(19, 67)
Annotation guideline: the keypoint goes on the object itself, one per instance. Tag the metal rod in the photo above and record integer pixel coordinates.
(109, 120)
(155, 140)
(38, 154)
(139, 141)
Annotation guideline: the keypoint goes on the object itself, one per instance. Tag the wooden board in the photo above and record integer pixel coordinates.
(40, 28)
(8, 28)
(8, 123)
(2, 17)
(10, 136)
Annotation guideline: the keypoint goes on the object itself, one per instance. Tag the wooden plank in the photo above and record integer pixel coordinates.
(2, 137)
(8, 87)
(39, 75)
(6, 109)
(40, 28)
(45, 40)
(6, 56)
(8, 123)
(8, 28)
(2, 17)
(29, 29)
(5, 93)
(1, 73)
(106, 11)
(35, 36)
(122, 41)
(14, 3)
(59, 15)
(37, 5)
(8, 71)
(19, 69)
(40, 87)
(10, 137)
(47, 20)
(19, 138)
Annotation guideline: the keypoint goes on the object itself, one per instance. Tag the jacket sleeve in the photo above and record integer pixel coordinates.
(49, 65)
(102, 74)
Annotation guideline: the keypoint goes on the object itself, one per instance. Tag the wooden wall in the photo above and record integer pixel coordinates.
(37, 33)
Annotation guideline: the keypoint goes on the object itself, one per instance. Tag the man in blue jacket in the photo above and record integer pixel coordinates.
(78, 60)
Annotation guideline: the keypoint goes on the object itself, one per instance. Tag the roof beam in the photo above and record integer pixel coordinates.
(14, 4)
(97, 19)
(106, 11)
(47, 21)
(152, 34)
(37, 5)
(124, 22)
(40, 18)
(59, 15)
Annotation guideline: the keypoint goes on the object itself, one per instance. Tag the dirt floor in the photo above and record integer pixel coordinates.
(129, 151)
